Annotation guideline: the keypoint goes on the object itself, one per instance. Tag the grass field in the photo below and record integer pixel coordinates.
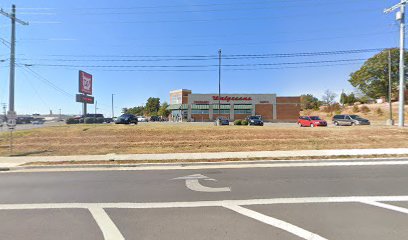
(172, 138)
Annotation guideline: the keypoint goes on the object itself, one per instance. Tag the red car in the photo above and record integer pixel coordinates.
(311, 121)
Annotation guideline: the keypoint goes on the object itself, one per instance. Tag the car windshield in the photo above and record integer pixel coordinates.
(315, 118)
(354, 117)
(254, 117)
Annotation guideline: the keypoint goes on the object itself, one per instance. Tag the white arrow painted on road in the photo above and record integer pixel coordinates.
(192, 183)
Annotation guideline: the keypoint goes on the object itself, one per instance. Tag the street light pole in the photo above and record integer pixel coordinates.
(401, 17)
(113, 115)
(219, 82)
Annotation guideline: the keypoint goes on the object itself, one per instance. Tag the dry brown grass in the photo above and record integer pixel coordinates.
(167, 138)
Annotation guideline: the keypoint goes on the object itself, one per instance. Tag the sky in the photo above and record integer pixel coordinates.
(140, 49)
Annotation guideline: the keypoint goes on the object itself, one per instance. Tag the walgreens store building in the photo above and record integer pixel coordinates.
(186, 106)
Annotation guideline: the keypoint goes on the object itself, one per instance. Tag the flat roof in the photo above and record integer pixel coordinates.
(180, 90)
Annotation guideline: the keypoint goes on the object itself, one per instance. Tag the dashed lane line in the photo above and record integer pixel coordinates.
(300, 232)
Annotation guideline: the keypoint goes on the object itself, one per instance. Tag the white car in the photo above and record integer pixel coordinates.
(142, 119)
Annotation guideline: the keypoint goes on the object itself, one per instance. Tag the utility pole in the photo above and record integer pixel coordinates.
(96, 107)
(113, 115)
(219, 82)
(390, 121)
(401, 18)
(11, 112)
(60, 117)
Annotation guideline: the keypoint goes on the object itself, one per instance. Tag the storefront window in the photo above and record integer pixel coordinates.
(199, 111)
(223, 111)
(243, 111)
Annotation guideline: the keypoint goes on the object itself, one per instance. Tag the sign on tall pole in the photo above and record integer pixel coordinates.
(400, 16)
(85, 87)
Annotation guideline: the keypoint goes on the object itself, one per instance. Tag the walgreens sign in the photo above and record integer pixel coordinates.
(85, 83)
(228, 98)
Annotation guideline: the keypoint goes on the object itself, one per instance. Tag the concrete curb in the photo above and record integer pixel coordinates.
(15, 161)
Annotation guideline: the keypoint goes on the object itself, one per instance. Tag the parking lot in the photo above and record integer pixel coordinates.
(368, 200)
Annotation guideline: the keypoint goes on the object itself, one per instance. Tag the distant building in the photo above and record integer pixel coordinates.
(186, 106)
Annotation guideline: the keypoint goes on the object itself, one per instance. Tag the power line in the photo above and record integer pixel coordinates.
(194, 66)
(210, 57)
(44, 80)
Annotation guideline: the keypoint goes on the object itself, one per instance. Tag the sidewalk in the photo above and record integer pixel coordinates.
(6, 162)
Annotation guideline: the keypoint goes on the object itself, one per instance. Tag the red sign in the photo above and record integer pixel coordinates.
(84, 99)
(228, 99)
(85, 83)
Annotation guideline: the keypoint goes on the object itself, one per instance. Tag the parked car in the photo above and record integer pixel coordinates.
(311, 121)
(223, 121)
(349, 120)
(155, 119)
(38, 121)
(255, 121)
(126, 119)
(142, 119)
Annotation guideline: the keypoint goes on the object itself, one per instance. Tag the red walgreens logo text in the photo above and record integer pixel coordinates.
(228, 99)
(85, 83)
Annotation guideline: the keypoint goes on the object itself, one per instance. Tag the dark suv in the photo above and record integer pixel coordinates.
(126, 119)
(349, 120)
(255, 120)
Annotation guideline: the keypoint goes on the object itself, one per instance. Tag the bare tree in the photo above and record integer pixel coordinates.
(329, 101)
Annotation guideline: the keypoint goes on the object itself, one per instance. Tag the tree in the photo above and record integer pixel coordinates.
(308, 101)
(138, 111)
(328, 100)
(348, 99)
(152, 106)
(163, 111)
(344, 98)
(351, 99)
(372, 78)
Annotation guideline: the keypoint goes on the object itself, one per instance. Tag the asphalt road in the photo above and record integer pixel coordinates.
(325, 202)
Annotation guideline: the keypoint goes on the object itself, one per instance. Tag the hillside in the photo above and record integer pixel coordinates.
(374, 115)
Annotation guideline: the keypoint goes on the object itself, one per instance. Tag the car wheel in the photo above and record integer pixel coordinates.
(312, 125)
(336, 124)
(353, 124)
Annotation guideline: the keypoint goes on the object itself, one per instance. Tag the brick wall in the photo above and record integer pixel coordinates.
(215, 115)
(288, 108)
(265, 110)
(200, 117)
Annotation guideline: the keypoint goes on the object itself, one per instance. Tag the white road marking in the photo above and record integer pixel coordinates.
(219, 203)
(387, 206)
(196, 166)
(192, 183)
(107, 226)
(300, 232)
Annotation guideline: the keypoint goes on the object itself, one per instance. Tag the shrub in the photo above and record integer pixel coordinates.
(100, 120)
(379, 111)
(238, 122)
(337, 112)
(365, 109)
(244, 122)
(89, 120)
(72, 121)
(355, 109)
